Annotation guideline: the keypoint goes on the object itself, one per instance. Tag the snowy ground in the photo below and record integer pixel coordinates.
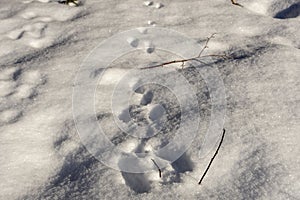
(43, 44)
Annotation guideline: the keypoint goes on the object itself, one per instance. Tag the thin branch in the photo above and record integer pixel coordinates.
(212, 159)
(157, 167)
(167, 63)
(223, 56)
(236, 3)
(69, 1)
(207, 41)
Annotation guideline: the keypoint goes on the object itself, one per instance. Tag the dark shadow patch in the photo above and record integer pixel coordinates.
(119, 138)
(291, 12)
(247, 52)
(44, 53)
(137, 182)
(183, 164)
(137, 115)
(180, 166)
(147, 98)
(97, 72)
(76, 163)
(102, 116)
(65, 134)
(16, 74)
(78, 176)
(76, 166)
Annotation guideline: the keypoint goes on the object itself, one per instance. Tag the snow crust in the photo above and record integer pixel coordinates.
(43, 44)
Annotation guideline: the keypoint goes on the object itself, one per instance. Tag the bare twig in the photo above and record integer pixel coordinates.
(166, 63)
(69, 1)
(207, 41)
(236, 3)
(212, 158)
(223, 56)
(157, 167)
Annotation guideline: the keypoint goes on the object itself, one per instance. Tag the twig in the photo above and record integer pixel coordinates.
(236, 3)
(224, 56)
(167, 63)
(157, 167)
(207, 41)
(69, 1)
(212, 158)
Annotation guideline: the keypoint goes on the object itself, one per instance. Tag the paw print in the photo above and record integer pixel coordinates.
(37, 28)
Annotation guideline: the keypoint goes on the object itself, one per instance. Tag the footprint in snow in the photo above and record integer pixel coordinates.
(38, 31)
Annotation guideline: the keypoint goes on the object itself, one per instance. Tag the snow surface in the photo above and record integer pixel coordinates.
(43, 44)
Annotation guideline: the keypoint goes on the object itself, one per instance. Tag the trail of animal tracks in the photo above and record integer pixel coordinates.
(42, 45)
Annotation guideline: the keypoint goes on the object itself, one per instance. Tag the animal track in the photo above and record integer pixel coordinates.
(10, 116)
(147, 98)
(183, 164)
(155, 5)
(38, 31)
(138, 182)
(16, 88)
(134, 42)
(147, 45)
(148, 3)
(149, 112)
(152, 23)
(151, 115)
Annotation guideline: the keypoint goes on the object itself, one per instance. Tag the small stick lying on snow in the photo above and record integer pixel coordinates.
(235, 3)
(212, 159)
(76, 2)
(224, 56)
(157, 167)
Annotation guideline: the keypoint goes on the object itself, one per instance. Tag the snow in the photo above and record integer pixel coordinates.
(171, 114)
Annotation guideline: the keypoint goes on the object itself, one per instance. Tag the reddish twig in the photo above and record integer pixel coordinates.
(206, 44)
(236, 3)
(224, 56)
